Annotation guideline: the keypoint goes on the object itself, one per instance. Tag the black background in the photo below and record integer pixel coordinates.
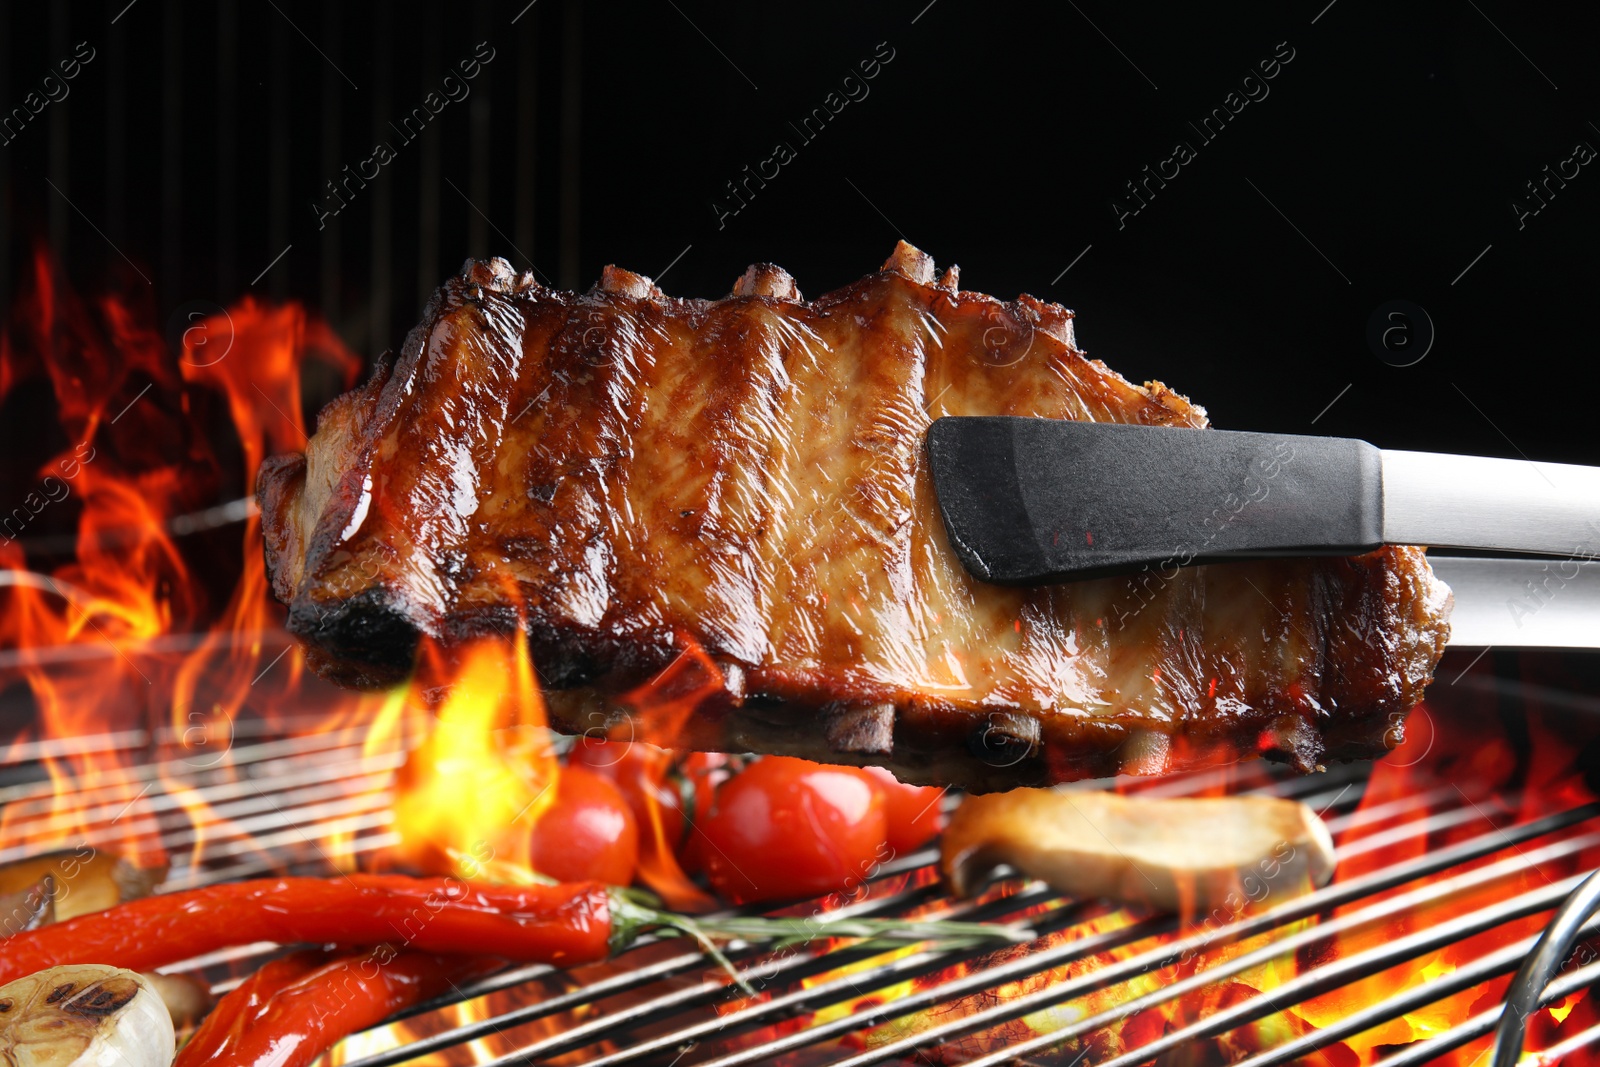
(1384, 161)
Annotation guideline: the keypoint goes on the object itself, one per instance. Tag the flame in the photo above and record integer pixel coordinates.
(659, 709)
(472, 792)
(125, 615)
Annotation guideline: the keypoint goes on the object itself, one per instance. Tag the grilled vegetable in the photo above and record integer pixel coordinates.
(554, 924)
(557, 924)
(86, 1015)
(588, 833)
(86, 880)
(298, 1006)
(912, 812)
(641, 772)
(29, 908)
(785, 828)
(1191, 854)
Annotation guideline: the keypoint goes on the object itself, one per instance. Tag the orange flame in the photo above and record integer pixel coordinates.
(121, 614)
(469, 796)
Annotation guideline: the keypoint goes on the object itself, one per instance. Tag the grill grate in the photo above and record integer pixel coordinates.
(289, 801)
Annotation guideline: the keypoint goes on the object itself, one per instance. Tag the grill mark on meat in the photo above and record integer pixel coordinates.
(617, 472)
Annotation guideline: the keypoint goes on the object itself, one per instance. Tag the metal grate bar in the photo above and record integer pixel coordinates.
(257, 757)
(1428, 893)
(519, 975)
(1343, 777)
(253, 817)
(1557, 1053)
(55, 655)
(1079, 950)
(29, 753)
(227, 804)
(1392, 809)
(1465, 815)
(194, 877)
(621, 983)
(803, 999)
(288, 773)
(1040, 961)
(260, 835)
(222, 955)
(1229, 778)
(286, 838)
(676, 1001)
(279, 799)
(1477, 847)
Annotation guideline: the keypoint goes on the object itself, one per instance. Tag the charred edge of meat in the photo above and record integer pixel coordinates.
(364, 641)
(990, 753)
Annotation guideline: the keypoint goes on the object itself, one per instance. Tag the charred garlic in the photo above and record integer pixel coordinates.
(87, 1015)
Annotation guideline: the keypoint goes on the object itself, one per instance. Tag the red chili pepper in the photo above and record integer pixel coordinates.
(297, 1007)
(560, 924)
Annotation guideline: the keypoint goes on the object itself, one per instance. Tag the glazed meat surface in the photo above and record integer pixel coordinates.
(623, 475)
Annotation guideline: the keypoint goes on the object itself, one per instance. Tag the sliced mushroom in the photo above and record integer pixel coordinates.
(29, 909)
(1187, 854)
(86, 880)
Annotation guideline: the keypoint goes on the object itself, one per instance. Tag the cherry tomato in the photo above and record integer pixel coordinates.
(913, 812)
(642, 772)
(785, 828)
(587, 833)
(639, 771)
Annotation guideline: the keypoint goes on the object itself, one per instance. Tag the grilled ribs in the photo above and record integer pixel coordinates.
(622, 474)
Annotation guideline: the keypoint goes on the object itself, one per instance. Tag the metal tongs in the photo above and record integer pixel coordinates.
(1028, 501)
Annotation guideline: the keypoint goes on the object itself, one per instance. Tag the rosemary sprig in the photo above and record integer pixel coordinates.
(632, 915)
(635, 911)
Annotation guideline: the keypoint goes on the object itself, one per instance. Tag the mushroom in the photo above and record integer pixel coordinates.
(1188, 854)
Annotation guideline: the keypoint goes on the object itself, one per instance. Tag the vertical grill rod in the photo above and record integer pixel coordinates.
(1534, 975)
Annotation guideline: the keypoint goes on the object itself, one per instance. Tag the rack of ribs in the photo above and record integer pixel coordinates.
(620, 475)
